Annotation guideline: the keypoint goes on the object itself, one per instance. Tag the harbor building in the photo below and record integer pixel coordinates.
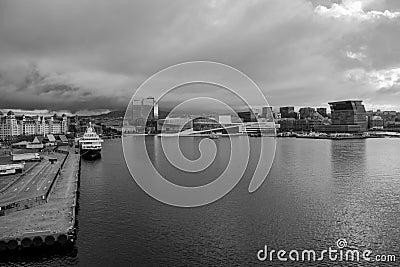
(174, 125)
(375, 122)
(287, 112)
(267, 114)
(222, 125)
(306, 112)
(13, 125)
(347, 117)
(142, 115)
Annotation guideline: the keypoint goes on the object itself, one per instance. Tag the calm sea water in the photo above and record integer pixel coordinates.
(317, 192)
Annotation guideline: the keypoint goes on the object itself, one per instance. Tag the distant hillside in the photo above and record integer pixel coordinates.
(112, 114)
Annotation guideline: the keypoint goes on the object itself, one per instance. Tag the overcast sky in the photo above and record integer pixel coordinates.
(92, 55)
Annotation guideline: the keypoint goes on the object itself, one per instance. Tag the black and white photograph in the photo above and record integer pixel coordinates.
(200, 133)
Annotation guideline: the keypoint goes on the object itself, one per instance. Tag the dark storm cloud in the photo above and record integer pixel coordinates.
(79, 55)
(54, 103)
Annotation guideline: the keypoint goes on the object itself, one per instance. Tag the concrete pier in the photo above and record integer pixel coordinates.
(49, 219)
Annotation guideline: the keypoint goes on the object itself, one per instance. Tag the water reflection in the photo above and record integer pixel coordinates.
(348, 166)
(358, 219)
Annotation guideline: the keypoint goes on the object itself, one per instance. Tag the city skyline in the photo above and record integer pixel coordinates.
(43, 112)
(303, 52)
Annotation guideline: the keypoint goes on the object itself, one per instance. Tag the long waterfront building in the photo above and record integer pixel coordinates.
(12, 125)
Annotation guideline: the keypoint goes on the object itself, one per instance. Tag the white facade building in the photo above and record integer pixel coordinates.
(11, 125)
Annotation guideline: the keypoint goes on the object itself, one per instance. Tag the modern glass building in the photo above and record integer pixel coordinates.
(141, 116)
(347, 116)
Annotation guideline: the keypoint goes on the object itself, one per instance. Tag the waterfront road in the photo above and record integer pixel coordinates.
(34, 183)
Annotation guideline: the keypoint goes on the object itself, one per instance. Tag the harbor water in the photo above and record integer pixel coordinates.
(318, 191)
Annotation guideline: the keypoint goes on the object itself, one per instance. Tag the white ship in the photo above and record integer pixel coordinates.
(90, 144)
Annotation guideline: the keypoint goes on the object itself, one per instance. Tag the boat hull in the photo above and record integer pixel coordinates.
(91, 153)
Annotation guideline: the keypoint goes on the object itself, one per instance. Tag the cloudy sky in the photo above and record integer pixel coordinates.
(92, 55)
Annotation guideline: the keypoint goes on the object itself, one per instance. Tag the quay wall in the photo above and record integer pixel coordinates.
(60, 208)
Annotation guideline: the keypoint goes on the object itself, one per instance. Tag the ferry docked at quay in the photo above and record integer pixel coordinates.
(90, 144)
